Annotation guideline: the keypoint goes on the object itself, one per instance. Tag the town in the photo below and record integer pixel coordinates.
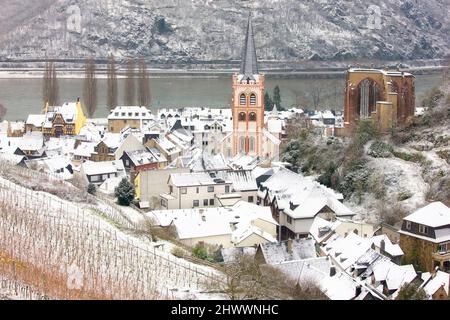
(204, 203)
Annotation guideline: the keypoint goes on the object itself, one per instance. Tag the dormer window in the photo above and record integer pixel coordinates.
(408, 225)
(242, 100)
(242, 116)
(423, 229)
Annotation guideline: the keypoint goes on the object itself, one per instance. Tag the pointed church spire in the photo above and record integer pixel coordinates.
(249, 63)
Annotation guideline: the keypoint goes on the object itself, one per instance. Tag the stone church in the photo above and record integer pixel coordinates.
(387, 97)
(250, 135)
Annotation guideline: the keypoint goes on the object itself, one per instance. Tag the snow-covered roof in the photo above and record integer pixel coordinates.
(95, 168)
(243, 231)
(36, 120)
(85, 149)
(196, 223)
(13, 159)
(242, 180)
(56, 165)
(432, 283)
(32, 141)
(306, 271)
(275, 253)
(275, 125)
(195, 179)
(435, 214)
(141, 157)
(339, 287)
(392, 249)
(130, 112)
(68, 111)
(158, 155)
(112, 140)
(321, 228)
(168, 146)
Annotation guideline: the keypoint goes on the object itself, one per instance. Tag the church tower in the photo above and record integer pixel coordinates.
(248, 102)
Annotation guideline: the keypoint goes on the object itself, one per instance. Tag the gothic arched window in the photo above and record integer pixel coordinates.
(252, 144)
(242, 100)
(364, 98)
(252, 99)
(241, 144)
(242, 116)
(252, 116)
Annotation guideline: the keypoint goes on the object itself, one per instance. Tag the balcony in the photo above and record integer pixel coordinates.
(441, 256)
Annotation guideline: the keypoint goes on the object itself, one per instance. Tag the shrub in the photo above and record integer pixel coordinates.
(91, 189)
(178, 252)
(432, 98)
(412, 291)
(404, 195)
(380, 149)
(124, 192)
(199, 251)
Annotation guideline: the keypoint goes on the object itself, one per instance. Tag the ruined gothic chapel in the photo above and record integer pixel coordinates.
(250, 135)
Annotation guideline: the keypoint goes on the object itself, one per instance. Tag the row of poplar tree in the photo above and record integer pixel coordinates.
(136, 85)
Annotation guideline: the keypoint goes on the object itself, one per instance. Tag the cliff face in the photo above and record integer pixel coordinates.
(210, 30)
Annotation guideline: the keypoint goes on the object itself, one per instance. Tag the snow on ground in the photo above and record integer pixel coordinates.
(400, 177)
(95, 244)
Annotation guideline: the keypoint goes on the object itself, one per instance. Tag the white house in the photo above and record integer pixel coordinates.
(98, 172)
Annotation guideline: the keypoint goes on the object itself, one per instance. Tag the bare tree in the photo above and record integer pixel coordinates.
(90, 87)
(54, 86)
(112, 83)
(46, 83)
(144, 97)
(130, 91)
(3, 111)
(315, 92)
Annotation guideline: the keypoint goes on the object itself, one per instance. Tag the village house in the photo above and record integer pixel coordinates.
(170, 151)
(425, 237)
(99, 172)
(193, 190)
(34, 122)
(149, 185)
(128, 116)
(436, 284)
(30, 145)
(242, 225)
(67, 119)
(296, 200)
(142, 160)
(59, 166)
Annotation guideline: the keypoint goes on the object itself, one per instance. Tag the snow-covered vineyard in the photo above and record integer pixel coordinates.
(79, 254)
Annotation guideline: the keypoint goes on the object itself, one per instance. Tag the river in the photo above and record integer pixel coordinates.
(24, 96)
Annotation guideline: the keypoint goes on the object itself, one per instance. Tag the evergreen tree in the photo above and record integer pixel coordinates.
(112, 93)
(268, 104)
(90, 87)
(277, 97)
(124, 192)
(411, 291)
(91, 189)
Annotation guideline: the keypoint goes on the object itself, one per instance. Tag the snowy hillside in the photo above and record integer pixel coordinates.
(207, 30)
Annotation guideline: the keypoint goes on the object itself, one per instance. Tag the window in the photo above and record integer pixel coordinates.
(210, 189)
(136, 114)
(241, 116)
(252, 99)
(112, 129)
(211, 202)
(170, 189)
(250, 199)
(252, 144)
(195, 203)
(289, 219)
(242, 100)
(105, 176)
(408, 225)
(183, 190)
(252, 117)
(241, 144)
(444, 247)
(227, 189)
(164, 203)
(116, 114)
(198, 189)
(95, 178)
(205, 202)
(123, 114)
(423, 229)
(130, 114)
(127, 163)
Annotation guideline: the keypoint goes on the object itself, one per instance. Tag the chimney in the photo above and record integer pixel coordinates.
(382, 246)
(289, 246)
